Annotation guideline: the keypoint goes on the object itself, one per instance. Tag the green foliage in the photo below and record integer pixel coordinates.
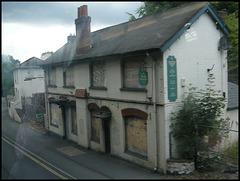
(226, 6)
(8, 63)
(152, 7)
(232, 23)
(200, 111)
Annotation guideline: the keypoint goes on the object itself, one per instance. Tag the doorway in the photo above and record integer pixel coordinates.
(106, 125)
(65, 125)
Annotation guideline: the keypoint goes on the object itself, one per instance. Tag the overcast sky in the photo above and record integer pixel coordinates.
(32, 28)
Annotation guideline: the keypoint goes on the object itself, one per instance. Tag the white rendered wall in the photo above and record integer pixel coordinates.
(28, 88)
(196, 50)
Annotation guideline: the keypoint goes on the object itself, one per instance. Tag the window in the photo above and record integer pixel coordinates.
(16, 93)
(136, 136)
(98, 74)
(95, 129)
(73, 115)
(16, 76)
(130, 70)
(68, 76)
(52, 76)
(135, 132)
(55, 113)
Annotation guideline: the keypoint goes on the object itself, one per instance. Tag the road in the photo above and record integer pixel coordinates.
(29, 154)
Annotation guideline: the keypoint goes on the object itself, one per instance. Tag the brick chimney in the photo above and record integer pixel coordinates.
(70, 38)
(83, 30)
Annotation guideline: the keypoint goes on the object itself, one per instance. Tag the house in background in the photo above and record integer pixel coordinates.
(28, 81)
(232, 112)
(45, 55)
(113, 90)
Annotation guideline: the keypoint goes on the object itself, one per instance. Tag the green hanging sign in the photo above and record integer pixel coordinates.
(172, 78)
(143, 77)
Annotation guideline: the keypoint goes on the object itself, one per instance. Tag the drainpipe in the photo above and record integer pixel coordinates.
(155, 110)
(45, 70)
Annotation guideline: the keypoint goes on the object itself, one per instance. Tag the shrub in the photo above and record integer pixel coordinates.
(194, 122)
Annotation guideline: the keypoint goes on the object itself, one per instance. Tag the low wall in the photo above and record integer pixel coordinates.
(12, 111)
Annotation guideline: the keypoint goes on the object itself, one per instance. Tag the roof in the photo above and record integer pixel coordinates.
(232, 96)
(154, 32)
(30, 63)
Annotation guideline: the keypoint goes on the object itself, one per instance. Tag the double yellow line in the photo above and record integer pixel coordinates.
(35, 160)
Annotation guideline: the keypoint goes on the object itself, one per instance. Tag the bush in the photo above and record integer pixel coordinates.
(194, 122)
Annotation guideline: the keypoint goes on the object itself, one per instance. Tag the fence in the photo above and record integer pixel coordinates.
(34, 108)
(224, 153)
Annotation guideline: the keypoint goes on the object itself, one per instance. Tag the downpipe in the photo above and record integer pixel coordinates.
(155, 110)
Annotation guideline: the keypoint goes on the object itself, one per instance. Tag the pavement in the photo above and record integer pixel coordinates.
(105, 164)
(69, 156)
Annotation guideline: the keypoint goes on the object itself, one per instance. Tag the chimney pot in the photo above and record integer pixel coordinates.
(82, 11)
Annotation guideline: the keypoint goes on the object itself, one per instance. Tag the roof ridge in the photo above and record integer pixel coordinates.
(154, 14)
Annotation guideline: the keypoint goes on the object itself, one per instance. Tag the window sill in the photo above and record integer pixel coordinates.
(74, 133)
(143, 157)
(98, 88)
(95, 140)
(54, 125)
(134, 89)
(52, 86)
(69, 86)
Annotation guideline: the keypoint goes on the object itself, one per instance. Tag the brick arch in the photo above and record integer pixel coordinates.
(134, 112)
(105, 108)
(50, 99)
(92, 106)
(72, 103)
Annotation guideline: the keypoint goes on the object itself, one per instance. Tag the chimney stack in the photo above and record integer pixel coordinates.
(83, 30)
(70, 38)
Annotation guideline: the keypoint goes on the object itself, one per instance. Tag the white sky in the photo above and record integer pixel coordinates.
(32, 28)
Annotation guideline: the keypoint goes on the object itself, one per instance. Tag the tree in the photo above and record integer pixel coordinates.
(8, 63)
(233, 60)
(231, 8)
(152, 7)
(226, 6)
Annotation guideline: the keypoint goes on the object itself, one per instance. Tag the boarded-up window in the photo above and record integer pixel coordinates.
(56, 114)
(99, 74)
(74, 120)
(136, 135)
(131, 68)
(95, 129)
(68, 76)
(52, 76)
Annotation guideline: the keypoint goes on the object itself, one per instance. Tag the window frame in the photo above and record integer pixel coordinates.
(75, 132)
(91, 76)
(131, 152)
(123, 87)
(64, 77)
(50, 109)
(49, 79)
(95, 139)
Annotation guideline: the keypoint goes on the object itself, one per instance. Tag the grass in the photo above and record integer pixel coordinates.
(232, 151)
